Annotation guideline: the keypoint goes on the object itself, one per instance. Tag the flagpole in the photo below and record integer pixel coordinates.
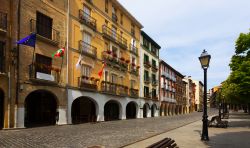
(61, 68)
(32, 67)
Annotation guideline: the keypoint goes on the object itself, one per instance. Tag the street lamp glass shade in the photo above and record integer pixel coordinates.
(204, 59)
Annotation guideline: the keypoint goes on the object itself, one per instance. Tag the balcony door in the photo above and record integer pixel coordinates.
(87, 41)
(114, 30)
(43, 64)
(86, 13)
(44, 25)
(2, 57)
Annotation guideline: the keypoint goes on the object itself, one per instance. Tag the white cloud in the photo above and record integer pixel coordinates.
(184, 28)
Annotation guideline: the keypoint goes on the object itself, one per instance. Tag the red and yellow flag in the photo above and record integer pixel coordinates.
(101, 71)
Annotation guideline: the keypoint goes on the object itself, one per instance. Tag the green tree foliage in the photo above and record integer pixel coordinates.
(237, 87)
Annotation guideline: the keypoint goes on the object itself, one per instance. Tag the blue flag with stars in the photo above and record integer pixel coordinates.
(28, 40)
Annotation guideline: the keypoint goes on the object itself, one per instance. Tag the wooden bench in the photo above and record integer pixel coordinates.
(217, 122)
(164, 143)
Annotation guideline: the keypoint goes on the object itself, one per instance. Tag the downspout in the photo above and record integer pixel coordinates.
(67, 71)
(17, 58)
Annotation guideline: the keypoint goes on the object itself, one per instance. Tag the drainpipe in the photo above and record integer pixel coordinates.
(67, 44)
(17, 62)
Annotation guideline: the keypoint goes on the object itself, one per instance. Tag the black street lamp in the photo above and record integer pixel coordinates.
(205, 59)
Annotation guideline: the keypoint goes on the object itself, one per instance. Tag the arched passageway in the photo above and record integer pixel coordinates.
(145, 110)
(111, 111)
(153, 110)
(1, 109)
(83, 110)
(131, 110)
(40, 109)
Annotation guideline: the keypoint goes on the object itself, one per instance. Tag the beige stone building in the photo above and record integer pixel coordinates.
(41, 93)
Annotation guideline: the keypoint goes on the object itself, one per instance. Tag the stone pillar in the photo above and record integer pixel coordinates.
(62, 116)
(19, 117)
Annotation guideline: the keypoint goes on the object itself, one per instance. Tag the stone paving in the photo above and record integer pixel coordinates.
(105, 134)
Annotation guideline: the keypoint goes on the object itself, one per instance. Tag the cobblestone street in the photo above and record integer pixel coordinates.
(107, 134)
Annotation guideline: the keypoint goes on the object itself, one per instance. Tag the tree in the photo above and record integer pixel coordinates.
(237, 87)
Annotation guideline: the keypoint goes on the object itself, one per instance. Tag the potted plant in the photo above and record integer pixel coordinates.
(133, 64)
(108, 51)
(114, 55)
(138, 67)
(122, 59)
(92, 78)
(127, 61)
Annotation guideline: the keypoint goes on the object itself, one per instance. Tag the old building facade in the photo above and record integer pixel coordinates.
(149, 75)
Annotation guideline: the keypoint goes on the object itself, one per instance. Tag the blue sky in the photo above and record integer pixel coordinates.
(183, 28)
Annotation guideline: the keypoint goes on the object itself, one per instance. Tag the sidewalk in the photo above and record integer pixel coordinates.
(236, 135)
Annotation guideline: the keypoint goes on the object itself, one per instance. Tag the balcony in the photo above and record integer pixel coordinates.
(46, 73)
(113, 62)
(155, 97)
(114, 89)
(134, 93)
(147, 96)
(2, 65)
(3, 22)
(86, 83)
(114, 18)
(147, 64)
(147, 80)
(87, 20)
(133, 50)
(46, 33)
(173, 90)
(154, 68)
(113, 36)
(133, 70)
(87, 49)
(155, 82)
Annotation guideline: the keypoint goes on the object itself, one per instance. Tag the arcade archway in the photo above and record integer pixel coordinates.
(40, 109)
(111, 111)
(83, 110)
(131, 110)
(145, 110)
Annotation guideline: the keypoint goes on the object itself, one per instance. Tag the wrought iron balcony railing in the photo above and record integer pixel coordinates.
(3, 21)
(134, 93)
(147, 96)
(43, 72)
(87, 19)
(114, 36)
(133, 50)
(147, 80)
(133, 70)
(87, 49)
(114, 89)
(147, 64)
(154, 67)
(45, 31)
(114, 62)
(87, 83)
(155, 82)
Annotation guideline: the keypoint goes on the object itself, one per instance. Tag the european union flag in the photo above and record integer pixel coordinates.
(28, 40)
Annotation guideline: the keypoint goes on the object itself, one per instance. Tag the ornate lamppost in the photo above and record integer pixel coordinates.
(204, 60)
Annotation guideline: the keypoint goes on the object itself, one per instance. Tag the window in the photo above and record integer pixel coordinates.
(44, 25)
(2, 57)
(43, 64)
(132, 82)
(121, 80)
(114, 32)
(146, 58)
(154, 50)
(153, 63)
(106, 46)
(153, 77)
(114, 16)
(114, 51)
(106, 6)
(121, 19)
(86, 13)
(133, 29)
(87, 38)
(106, 23)
(106, 76)
(146, 76)
(146, 91)
(153, 92)
(145, 43)
(114, 78)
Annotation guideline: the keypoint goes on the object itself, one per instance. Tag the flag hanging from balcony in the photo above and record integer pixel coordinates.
(29, 40)
(78, 64)
(101, 71)
(59, 53)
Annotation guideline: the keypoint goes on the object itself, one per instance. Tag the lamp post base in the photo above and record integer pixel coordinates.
(204, 138)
